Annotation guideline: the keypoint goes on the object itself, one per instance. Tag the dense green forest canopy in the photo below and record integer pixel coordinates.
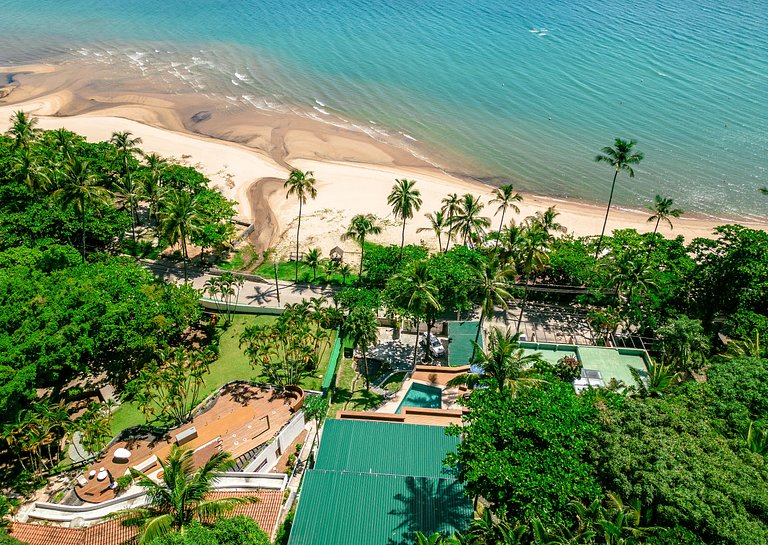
(73, 304)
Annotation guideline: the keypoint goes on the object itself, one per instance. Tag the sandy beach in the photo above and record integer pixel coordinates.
(247, 155)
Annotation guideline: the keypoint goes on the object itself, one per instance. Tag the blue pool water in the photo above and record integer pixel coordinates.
(523, 91)
(422, 396)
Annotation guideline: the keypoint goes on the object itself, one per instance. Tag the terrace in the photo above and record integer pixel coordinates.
(600, 364)
(239, 420)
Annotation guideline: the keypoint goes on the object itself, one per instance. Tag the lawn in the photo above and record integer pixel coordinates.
(232, 364)
(350, 393)
(394, 382)
(286, 270)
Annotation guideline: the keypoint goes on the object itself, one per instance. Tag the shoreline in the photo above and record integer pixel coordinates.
(248, 153)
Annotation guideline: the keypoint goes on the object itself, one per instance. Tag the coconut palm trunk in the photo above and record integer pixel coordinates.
(402, 240)
(184, 255)
(298, 230)
(607, 210)
(522, 304)
(362, 257)
(82, 207)
(477, 336)
(501, 223)
(365, 365)
(450, 233)
(416, 345)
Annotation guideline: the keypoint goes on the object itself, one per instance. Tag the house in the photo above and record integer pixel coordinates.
(377, 483)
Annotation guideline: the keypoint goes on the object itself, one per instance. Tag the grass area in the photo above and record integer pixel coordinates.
(286, 270)
(232, 364)
(241, 259)
(350, 393)
(394, 382)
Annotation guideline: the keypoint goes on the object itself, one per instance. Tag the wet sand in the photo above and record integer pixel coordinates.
(247, 153)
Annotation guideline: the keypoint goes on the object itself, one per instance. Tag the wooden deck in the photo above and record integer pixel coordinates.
(242, 418)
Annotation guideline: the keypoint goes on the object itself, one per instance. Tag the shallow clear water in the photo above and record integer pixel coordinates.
(526, 91)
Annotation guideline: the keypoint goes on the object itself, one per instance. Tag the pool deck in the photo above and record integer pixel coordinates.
(450, 397)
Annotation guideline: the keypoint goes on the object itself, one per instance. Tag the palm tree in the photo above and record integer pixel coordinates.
(179, 219)
(683, 343)
(661, 379)
(26, 170)
(630, 274)
(344, 270)
(756, 440)
(491, 289)
(418, 295)
(301, 184)
(503, 364)
(534, 244)
(494, 529)
(362, 328)
(506, 196)
(359, 228)
(313, 260)
(180, 499)
(745, 348)
(546, 220)
(64, 141)
(436, 539)
(620, 157)
(153, 183)
(81, 189)
(468, 220)
(510, 244)
(23, 130)
(404, 200)
(437, 223)
(451, 207)
(662, 211)
(127, 145)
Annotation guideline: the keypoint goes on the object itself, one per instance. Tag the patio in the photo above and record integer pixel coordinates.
(241, 419)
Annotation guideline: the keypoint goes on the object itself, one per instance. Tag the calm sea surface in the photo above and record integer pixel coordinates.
(527, 91)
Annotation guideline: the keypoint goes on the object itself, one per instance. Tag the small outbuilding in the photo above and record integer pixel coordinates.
(337, 254)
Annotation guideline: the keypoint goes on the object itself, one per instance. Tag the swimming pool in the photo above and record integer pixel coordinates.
(422, 396)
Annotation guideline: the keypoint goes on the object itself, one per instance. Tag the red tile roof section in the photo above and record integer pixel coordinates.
(265, 513)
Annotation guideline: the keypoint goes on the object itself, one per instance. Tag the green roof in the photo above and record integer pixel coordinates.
(384, 447)
(613, 362)
(341, 508)
(377, 483)
(460, 337)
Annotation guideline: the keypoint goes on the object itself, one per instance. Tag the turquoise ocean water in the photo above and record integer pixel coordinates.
(523, 91)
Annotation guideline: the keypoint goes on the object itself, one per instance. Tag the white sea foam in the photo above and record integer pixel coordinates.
(241, 77)
(322, 111)
(319, 103)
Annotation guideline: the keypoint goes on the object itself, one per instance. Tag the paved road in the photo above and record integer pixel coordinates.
(258, 294)
(541, 322)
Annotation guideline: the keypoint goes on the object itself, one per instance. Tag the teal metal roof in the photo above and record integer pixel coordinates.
(343, 508)
(384, 447)
(460, 337)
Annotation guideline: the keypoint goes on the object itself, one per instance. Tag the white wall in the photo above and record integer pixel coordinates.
(268, 457)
